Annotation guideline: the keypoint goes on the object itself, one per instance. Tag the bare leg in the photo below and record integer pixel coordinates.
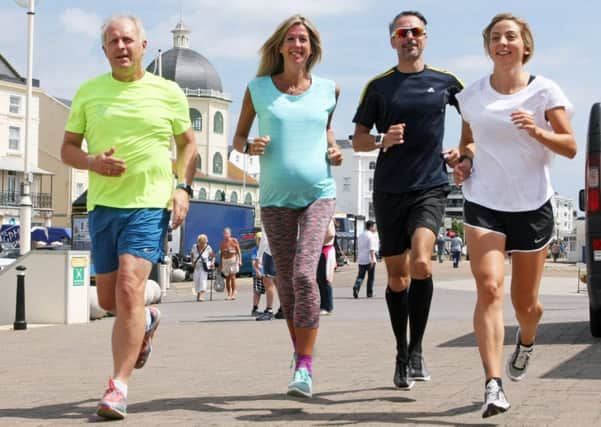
(487, 257)
(527, 269)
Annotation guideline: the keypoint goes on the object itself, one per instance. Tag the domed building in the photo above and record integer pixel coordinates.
(216, 178)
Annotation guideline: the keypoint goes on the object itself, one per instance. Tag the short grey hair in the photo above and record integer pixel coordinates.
(114, 18)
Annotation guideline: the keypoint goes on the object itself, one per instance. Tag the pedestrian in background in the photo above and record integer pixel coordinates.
(202, 257)
(456, 247)
(268, 274)
(514, 124)
(296, 147)
(440, 247)
(366, 259)
(325, 271)
(230, 261)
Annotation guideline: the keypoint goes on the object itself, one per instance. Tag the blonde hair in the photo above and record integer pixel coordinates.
(271, 58)
(202, 238)
(525, 31)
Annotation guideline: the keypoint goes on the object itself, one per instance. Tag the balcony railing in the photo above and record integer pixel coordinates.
(39, 200)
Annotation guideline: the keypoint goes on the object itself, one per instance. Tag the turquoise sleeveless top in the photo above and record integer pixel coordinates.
(294, 169)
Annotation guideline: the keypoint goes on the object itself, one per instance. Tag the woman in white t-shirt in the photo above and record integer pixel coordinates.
(514, 124)
(202, 257)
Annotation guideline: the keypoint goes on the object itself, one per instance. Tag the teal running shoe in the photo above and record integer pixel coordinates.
(302, 384)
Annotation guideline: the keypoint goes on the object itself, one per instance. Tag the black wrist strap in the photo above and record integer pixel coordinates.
(466, 157)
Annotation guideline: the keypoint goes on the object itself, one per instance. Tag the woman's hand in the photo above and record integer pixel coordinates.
(462, 170)
(257, 148)
(335, 155)
(525, 121)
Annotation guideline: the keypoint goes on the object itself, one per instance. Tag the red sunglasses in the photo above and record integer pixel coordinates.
(402, 33)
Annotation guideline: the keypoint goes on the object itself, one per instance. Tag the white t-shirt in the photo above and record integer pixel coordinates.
(511, 170)
(366, 242)
(263, 246)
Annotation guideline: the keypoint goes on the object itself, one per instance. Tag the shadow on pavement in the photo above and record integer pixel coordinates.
(84, 409)
(583, 365)
(548, 334)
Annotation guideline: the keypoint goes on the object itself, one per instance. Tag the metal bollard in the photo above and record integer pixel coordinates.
(20, 322)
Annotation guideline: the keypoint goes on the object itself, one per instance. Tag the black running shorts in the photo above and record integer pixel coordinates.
(399, 214)
(527, 231)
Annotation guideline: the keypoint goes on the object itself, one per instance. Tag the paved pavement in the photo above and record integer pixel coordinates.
(214, 365)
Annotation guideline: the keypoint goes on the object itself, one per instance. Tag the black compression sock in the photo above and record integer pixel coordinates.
(397, 308)
(420, 297)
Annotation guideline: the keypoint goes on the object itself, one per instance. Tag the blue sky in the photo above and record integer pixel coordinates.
(355, 40)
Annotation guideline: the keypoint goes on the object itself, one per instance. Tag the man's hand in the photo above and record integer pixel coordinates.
(394, 136)
(106, 165)
(181, 204)
(335, 155)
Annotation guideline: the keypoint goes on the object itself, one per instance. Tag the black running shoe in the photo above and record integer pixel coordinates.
(266, 315)
(495, 401)
(279, 314)
(401, 378)
(417, 368)
(355, 293)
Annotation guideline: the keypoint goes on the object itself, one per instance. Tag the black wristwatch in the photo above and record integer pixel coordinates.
(187, 188)
(246, 147)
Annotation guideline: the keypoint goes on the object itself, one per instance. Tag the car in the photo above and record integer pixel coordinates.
(590, 202)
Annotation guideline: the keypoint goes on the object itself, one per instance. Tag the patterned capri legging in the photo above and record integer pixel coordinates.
(295, 239)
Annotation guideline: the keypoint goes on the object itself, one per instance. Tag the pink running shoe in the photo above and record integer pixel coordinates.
(155, 318)
(113, 405)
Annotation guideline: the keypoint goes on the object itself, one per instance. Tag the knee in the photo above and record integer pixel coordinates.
(420, 268)
(129, 292)
(526, 307)
(398, 283)
(490, 292)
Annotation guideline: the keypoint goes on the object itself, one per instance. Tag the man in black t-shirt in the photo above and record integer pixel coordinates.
(407, 106)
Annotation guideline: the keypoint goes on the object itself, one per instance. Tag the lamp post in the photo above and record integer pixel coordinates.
(25, 203)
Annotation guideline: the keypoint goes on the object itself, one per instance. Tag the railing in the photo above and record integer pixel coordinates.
(208, 93)
(39, 200)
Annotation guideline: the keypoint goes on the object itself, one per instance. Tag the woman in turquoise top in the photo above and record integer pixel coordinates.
(296, 148)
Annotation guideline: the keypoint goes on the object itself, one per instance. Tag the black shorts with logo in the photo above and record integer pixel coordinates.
(527, 231)
(399, 214)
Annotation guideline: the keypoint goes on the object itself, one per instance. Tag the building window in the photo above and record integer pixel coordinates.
(196, 119)
(346, 184)
(12, 186)
(372, 165)
(248, 199)
(217, 164)
(218, 123)
(14, 138)
(79, 189)
(15, 104)
(198, 162)
(234, 197)
(372, 211)
(202, 194)
(220, 196)
(370, 184)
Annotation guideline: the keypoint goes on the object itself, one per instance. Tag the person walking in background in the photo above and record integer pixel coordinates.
(130, 189)
(366, 259)
(555, 251)
(514, 124)
(407, 105)
(267, 268)
(440, 247)
(296, 148)
(202, 257)
(325, 271)
(230, 262)
(257, 273)
(456, 247)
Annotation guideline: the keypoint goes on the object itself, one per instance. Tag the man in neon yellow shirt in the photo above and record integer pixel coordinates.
(127, 117)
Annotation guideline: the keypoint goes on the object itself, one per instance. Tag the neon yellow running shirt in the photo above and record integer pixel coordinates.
(138, 119)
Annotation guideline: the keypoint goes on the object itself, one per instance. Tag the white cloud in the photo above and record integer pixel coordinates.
(78, 21)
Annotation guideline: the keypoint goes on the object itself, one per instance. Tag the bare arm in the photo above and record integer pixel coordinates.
(185, 169)
(245, 121)
(364, 141)
(467, 147)
(561, 140)
(334, 152)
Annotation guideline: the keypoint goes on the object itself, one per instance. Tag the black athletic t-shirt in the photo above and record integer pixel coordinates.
(419, 100)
